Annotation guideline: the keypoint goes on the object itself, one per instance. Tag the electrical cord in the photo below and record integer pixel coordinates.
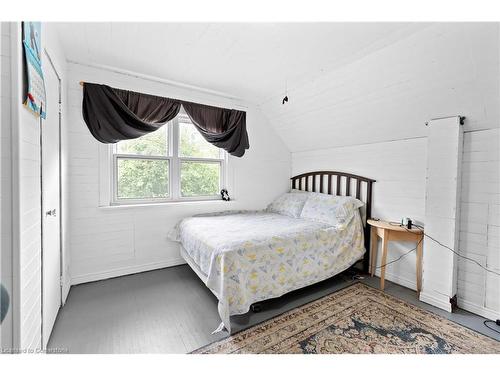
(477, 263)
(443, 245)
(491, 321)
(401, 257)
(487, 321)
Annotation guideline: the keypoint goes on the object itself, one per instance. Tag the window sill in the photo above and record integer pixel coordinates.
(167, 204)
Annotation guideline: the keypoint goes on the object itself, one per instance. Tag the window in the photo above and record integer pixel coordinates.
(174, 163)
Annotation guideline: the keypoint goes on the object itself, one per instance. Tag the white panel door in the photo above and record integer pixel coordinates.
(51, 245)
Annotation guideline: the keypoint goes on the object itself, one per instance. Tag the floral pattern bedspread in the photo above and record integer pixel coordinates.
(252, 256)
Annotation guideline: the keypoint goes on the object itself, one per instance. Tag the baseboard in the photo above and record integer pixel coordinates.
(478, 310)
(122, 271)
(400, 280)
(65, 289)
(440, 301)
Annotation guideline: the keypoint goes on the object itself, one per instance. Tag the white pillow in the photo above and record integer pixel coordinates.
(289, 204)
(330, 209)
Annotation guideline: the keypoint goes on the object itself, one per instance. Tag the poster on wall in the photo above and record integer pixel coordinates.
(35, 85)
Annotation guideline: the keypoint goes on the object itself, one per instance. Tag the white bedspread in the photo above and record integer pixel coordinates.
(252, 256)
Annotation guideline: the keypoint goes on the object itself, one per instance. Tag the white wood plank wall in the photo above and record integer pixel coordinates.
(399, 168)
(355, 120)
(20, 197)
(107, 242)
(26, 208)
(479, 291)
(400, 191)
(5, 181)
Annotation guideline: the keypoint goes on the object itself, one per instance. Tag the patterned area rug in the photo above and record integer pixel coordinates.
(357, 319)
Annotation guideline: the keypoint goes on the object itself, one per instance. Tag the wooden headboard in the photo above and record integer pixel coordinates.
(344, 184)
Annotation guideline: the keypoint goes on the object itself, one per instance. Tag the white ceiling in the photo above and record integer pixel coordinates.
(348, 83)
(252, 61)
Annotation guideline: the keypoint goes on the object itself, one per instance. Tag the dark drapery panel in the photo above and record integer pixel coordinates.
(224, 128)
(113, 115)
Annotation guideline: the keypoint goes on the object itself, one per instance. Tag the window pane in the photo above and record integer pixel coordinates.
(142, 178)
(199, 179)
(155, 143)
(192, 144)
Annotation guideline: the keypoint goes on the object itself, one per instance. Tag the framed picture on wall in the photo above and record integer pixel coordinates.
(35, 85)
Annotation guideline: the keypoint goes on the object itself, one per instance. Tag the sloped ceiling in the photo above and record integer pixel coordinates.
(327, 68)
(445, 69)
(251, 61)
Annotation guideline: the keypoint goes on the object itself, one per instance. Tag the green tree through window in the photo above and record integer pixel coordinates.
(155, 167)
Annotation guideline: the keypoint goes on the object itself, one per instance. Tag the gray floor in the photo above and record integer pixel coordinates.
(171, 311)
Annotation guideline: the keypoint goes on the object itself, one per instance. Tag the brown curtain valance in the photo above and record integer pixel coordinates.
(114, 115)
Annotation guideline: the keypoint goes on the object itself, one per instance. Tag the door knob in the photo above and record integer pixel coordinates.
(51, 212)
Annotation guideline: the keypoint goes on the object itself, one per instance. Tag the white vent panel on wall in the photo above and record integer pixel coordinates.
(444, 163)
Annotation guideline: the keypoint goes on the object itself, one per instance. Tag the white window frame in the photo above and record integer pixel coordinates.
(109, 167)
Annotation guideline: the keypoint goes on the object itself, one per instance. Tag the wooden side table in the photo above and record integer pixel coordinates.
(392, 232)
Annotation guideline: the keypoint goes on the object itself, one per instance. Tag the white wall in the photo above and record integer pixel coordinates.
(5, 181)
(26, 241)
(1, 37)
(398, 192)
(108, 242)
(368, 118)
(479, 291)
(21, 159)
(442, 70)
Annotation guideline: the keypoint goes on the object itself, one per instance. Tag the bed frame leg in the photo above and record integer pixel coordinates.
(256, 307)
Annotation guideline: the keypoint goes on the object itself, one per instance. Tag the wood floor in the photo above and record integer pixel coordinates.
(171, 311)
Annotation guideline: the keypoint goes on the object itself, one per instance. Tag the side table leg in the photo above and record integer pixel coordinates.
(419, 265)
(373, 253)
(384, 258)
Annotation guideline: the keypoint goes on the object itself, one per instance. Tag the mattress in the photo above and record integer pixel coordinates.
(251, 256)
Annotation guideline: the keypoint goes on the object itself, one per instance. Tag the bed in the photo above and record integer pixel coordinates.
(245, 257)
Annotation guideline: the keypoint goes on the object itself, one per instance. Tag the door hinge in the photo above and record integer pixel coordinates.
(60, 108)
(61, 281)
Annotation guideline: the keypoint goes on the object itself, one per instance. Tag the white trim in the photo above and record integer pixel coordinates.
(479, 310)
(16, 107)
(436, 300)
(175, 174)
(167, 204)
(108, 164)
(128, 270)
(2, 234)
(105, 157)
(46, 335)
